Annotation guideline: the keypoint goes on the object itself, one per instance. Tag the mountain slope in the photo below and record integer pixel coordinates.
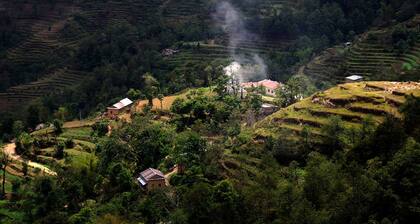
(353, 102)
(372, 55)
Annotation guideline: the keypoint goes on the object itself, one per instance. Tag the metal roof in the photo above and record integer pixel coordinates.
(354, 77)
(141, 181)
(151, 174)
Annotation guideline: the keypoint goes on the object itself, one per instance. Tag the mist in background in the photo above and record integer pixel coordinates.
(244, 68)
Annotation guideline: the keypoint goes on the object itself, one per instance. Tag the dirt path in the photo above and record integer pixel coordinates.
(11, 150)
(168, 175)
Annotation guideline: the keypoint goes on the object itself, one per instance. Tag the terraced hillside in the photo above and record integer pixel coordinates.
(80, 154)
(114, 12)
(352, 102)
(41, 35)
(54, 82)
(41, 58)
(208, 51)
(369, 56)
(264, 7)
(327, 68)
(219, 49)
(175, 11)
(46, 45)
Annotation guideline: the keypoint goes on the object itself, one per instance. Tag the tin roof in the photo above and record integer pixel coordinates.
(152, 174)
(354, 77)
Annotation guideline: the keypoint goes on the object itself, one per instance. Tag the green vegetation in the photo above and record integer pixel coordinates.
(385, 54)
(352, 102)
(349, 154)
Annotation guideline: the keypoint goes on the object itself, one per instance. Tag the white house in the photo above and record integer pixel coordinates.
(354, 78)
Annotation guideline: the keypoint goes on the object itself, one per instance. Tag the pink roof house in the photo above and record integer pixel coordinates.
(270, 86)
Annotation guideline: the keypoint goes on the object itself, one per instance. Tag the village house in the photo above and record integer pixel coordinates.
(270, 87)
(354, 78)
(151, 179)
(122, 106)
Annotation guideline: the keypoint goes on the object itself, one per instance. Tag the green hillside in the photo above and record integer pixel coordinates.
(352, 102)
(136, 111)
(375, 55)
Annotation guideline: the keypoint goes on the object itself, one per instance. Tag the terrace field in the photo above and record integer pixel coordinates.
(80, 154)
(372, 55)
(353, 102)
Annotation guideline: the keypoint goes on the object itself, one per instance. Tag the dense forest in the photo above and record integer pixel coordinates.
(354, 159)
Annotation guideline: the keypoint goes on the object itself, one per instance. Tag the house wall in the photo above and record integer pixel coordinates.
(353, 81)
(155, 184)
(271, 92)
(111, 113)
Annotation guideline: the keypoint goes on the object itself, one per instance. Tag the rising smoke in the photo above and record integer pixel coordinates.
(245, 67)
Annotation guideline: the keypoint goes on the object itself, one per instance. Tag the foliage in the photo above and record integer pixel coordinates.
(296, 88)
(58, 127)
(59, 151)
(348, 174)
(100, 128)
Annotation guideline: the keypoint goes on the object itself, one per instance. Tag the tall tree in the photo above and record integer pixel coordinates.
(150, 87)
(160, 97)
(5, 159)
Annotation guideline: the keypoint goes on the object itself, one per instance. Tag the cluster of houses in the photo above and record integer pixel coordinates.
(269, 87)
(151, 179)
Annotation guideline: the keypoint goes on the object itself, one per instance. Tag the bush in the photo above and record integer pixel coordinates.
(59, 151)
(100, 128)
(69, 143)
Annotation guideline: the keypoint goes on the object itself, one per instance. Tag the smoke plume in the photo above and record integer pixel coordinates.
(245, 67)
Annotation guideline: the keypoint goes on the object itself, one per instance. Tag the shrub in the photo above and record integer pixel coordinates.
(100, 128)
(59, 151)
(69, 143)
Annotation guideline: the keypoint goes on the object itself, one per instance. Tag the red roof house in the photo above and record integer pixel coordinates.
(270, 86)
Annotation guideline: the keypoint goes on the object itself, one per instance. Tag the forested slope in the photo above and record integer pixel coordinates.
(43, 38)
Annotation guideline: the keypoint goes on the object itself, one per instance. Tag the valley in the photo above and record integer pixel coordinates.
(218, 111)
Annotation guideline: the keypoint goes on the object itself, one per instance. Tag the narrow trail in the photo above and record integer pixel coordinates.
(168, 175)
(11, 150)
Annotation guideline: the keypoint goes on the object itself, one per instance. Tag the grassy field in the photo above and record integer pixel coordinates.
(82, 133)
(167, 101)
(83, 124)
(352, 102)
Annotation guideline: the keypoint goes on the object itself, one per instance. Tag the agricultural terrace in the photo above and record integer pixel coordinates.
(167, 101)
(352, 102)
(79, 151)
(370, 56)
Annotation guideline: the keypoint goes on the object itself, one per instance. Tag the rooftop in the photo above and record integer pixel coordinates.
(267, 83)
(150, 174)
(354, 77)
(123, 103)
